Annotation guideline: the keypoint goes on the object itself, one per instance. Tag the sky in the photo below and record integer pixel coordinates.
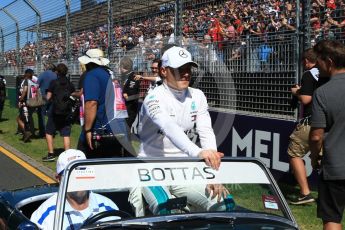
(5, 2)
(26, 18)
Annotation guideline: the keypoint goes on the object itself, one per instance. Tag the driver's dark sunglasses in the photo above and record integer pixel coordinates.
(154, 68)
(181, 69)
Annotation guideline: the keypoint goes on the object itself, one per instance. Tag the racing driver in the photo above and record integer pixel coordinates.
(171, 112)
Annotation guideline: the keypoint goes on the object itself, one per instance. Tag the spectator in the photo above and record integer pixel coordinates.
(19, 90)
(58, 93)
(328, 132)
(299, 145)
(29, 90)
(140, 64)
(216, 33)
(130, 45)
(264, 54)
(44, 80)
(154, 77)
(80, 94)
(2, 94)
(80, 204)
(130, 89)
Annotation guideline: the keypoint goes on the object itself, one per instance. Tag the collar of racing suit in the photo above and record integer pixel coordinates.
(178, 94)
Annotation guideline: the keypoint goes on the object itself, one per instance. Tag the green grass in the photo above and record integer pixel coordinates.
(249, 196)
(304, 214)
(37, 148)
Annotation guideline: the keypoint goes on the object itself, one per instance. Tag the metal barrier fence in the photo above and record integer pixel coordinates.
(250, 70)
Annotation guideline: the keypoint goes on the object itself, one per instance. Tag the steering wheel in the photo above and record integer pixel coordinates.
(105, 214)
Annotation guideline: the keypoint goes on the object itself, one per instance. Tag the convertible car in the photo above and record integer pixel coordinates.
(251, 198)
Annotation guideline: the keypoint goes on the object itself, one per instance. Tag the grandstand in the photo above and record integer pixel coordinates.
(80, 20)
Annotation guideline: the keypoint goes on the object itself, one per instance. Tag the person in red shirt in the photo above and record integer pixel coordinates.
(331, 4)
(217, 34)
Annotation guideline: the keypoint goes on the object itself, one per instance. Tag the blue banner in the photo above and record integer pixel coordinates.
(263, 138)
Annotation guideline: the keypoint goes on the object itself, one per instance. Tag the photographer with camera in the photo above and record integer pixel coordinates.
(59, 114)
(105, 131)
(299, 146)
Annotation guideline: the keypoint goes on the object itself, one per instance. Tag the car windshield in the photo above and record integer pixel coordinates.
(174, 187)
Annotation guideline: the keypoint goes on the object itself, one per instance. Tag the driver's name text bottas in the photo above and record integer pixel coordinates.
(178, 173)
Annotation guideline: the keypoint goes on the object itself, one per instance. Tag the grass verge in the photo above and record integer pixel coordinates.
(37, 148)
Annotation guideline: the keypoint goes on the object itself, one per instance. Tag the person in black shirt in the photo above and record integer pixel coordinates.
(298, 146)
(130, 89)
(2, 94)
(58, 94)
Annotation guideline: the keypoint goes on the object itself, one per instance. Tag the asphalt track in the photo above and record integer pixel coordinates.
(16, 173)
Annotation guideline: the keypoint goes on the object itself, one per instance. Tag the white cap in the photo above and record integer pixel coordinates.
(95, 56)
(176, 57)
(67, 157)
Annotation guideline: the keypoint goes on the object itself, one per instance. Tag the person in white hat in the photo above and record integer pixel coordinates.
(80, 205)
(100, 112)
(170, 116)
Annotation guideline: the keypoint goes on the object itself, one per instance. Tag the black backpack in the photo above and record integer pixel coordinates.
(61, 93)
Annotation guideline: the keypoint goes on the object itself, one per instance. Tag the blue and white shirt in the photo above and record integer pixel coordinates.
(73, 219)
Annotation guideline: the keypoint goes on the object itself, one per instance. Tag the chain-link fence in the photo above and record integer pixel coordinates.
(323, 20)
(248, 50)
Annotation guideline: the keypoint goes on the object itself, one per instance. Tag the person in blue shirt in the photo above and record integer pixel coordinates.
(105, 131)
(264, 55)
(43, 81)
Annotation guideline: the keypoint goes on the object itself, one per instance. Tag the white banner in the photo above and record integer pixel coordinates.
(119, 176)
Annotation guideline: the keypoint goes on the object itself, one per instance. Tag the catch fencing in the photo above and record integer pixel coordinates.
(249, 70)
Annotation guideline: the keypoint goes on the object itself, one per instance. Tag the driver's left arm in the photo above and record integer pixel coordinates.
(208, 141)
(204, 129)
(204, 125)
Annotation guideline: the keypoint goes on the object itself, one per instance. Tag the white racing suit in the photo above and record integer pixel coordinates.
(169, 119)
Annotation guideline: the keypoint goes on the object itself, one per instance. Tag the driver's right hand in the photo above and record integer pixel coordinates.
(212, 158)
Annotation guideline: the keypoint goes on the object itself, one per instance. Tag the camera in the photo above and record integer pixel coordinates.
(74, 104)
(25, 113)
(101, 136)
(294, 102)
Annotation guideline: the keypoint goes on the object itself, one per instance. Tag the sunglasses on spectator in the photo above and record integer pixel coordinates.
(154, 67)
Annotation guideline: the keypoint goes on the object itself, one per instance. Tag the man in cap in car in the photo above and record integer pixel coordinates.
(80, 205)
